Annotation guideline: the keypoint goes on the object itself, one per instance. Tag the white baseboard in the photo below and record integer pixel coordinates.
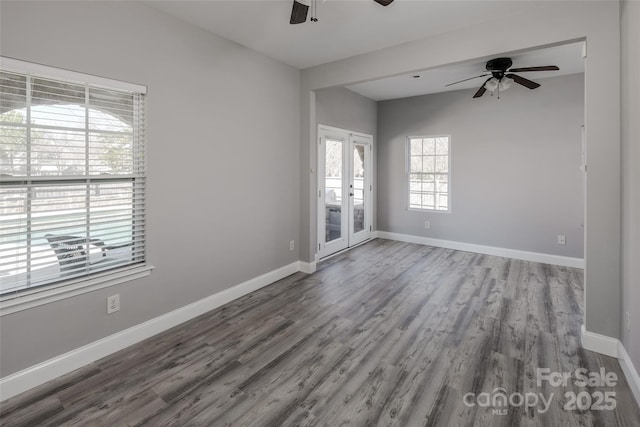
(307, 267)
(630, 372)
(486, 250)
(599, 343)
(614, 348)
(33, 376)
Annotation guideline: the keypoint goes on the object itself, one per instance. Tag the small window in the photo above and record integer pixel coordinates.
(428, 173)
(72, 181)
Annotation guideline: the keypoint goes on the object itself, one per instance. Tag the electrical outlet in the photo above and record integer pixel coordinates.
(427, 225)
(292, 245)
(113, 303)
(628, 321)
(561, 239)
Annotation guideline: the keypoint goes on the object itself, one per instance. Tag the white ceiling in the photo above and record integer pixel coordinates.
(345, 27)
(567, 57)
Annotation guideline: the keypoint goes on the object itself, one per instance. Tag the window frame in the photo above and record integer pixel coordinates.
(27, 298)
(407, 179)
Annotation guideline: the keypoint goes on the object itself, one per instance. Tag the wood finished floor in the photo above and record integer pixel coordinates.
(387, 334)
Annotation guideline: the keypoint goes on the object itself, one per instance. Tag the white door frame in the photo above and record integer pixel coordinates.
(347, 237)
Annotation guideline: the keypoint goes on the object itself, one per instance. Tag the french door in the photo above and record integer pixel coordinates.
(344, 189)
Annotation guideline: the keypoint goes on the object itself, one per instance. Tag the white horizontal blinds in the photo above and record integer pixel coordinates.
(72, 180)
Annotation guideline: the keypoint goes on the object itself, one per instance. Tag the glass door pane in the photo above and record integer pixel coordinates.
(357, 187)
(333, 189)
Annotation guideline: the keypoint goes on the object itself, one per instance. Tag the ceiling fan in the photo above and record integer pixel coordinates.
(502, 76)
(301, 9)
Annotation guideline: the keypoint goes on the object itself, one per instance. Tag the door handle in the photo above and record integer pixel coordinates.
(351, 194)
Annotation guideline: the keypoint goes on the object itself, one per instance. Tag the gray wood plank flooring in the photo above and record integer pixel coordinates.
(387, 334)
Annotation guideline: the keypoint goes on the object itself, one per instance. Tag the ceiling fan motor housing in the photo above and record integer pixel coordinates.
(499, 66)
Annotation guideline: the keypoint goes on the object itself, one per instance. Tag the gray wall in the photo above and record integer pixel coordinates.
(339, 107)
(515, 178)
(223, 153)
(631, 178)
(342, 108)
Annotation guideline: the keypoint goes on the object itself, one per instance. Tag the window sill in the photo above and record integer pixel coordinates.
(29, 299)
(428, 210)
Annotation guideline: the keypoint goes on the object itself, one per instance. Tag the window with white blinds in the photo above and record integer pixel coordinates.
(72, 180)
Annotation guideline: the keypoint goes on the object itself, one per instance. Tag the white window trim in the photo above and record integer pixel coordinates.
(18, 66)
(407, 160)
(27, 299)
(62, 290)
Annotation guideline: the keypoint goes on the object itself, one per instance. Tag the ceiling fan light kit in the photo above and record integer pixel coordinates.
(505, 83)
(491, 84)
(500, 81)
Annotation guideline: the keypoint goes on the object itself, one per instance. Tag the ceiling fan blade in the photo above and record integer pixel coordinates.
(298, 12)
(470, 78)
(480, 92)
(384, 2)
(544, 68)
(482, 89)
(524, 82)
